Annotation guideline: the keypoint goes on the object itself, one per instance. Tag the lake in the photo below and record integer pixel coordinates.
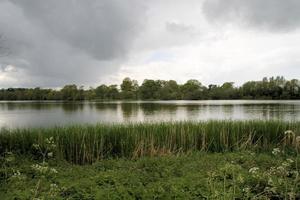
(49, 113)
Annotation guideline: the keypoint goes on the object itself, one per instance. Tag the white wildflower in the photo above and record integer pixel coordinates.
(240, 179)
(286, 164)
(36, 146)
(276, 151)
(53, 185)
(39, 168)
(53, 170)
(16, 173)
(246, 190)
(50, 154)
(253, 170)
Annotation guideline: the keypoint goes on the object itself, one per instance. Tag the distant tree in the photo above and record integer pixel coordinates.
(90, 94)
(54, 95)
(249, 90)
(294, 89)
(170, 90)
(192, 90)
(69, 92)
(228, 91)
(272, 88)
(129, 89)
(102, 92)
(113, 92)
(80, 94)
(150, 89)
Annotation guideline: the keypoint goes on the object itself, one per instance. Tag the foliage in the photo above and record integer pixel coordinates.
(150, 89)
(272, 88)
(239, 175)
(193, 90)
(41, 174)
(129, 89)
(72, 93)
(89, 143)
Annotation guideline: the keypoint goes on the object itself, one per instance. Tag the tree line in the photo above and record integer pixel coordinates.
(129, 89)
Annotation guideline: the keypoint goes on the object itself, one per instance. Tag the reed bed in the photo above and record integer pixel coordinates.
(87, 143)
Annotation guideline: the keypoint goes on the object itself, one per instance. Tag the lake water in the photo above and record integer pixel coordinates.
(44, 114)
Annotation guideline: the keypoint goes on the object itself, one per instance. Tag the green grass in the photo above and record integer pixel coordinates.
(189, 176)
(89, 143)
(180, 160)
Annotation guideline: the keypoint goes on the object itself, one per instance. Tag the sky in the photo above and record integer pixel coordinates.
(93, 42)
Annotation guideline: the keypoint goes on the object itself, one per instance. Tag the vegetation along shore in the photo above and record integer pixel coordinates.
(171, 160)
(267, 88)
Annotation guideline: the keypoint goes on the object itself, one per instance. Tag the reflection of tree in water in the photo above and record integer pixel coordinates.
(129, 110)
(151, 108)
(72, 107)
(193, 108)
(105, 106)
(228, 109)
(282, 111)
(258, 110)
(271, 111)
(27, 106)
(294, 111)
(265, 110)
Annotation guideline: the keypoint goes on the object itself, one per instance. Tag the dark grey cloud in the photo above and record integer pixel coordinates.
(176, 27)
(55, 42)
(272, 15)
(61, 41)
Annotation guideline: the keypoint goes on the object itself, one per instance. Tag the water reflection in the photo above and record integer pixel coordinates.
(25, 106)
(130, 111)
(20, 114)
(72, 107)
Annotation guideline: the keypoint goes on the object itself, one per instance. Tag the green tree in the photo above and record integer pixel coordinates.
(102, 92)
(170, 90)
(90, 94)
(69, 92)
(249, 90)
(267, 88)
(113, 92)
(129, 89)
(228, 91)
(150, 89)
(192, 90)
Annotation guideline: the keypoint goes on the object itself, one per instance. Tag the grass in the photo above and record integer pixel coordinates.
(199, 175)
(89, 143)
(172, 160)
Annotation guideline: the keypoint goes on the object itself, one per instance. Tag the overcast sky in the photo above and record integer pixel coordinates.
(90, 42)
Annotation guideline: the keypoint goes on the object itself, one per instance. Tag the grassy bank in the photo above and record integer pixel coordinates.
(240, 175)
(180, 160)
(89, 143)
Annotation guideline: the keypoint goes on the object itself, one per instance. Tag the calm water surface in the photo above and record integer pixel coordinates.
(43, 114)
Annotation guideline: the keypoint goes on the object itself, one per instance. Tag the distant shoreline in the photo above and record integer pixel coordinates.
(267, 89)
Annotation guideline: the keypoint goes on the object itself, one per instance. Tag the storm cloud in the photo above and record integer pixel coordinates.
(90, 42)
(272, 15)
(60, 41)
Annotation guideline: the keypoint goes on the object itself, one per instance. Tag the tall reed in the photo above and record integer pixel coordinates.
(88, 143)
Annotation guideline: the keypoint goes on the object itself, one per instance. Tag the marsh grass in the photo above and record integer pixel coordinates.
(88, 143)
